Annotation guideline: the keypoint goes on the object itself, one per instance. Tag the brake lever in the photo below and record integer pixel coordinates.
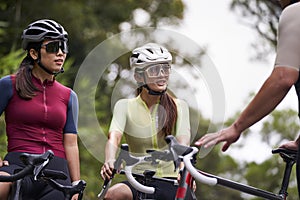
(177, 150)
(38, 169)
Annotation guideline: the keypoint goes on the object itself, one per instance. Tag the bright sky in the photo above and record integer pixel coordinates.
(212, 24)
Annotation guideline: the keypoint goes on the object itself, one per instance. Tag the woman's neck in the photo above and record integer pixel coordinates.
(41, 74)
(149, 99)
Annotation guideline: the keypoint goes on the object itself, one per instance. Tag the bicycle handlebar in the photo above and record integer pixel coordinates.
(187, 159)
(135, 183)
(194, 172)
(175, 153)
(35, 163)
(21, 174)
(188, 156)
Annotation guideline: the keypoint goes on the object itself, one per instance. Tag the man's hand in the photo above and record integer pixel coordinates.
(292, 145)
(228, 135)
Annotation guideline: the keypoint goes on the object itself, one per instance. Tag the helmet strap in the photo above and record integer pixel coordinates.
(47, 70)
(152, 92)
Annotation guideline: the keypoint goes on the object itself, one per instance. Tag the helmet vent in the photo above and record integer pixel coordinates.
(135, 55)
(150, 51)
(149, 54)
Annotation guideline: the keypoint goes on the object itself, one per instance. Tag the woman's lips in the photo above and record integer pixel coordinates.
(161, 82)
(59, 61)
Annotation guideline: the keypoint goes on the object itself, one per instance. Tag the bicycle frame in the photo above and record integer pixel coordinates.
(213, 180)
(188, 155)
(186, 181)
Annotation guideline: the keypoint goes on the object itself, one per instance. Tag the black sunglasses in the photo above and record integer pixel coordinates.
(54, 46)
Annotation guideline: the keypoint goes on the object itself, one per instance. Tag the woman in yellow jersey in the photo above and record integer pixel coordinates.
(146, 120)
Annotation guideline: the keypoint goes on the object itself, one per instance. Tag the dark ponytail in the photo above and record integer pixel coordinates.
(168, 120)
(24, 86)
(167, 116)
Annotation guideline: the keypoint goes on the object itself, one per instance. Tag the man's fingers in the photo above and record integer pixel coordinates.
(226, 146)
(205, 140)
(211, 140)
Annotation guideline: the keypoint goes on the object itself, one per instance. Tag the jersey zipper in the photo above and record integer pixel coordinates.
(154, 120)
(45, 115)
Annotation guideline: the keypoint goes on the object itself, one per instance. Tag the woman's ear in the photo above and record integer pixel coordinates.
(33, 53)
(139, 77)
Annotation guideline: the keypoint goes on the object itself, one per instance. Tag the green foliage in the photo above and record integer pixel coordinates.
(91, 22)
(3, 142)
(10, 62)
(271, 170)
(217, 164)
(282, 123)
(88, 24)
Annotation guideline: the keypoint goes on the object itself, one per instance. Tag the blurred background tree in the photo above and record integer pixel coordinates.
(263, 17)
(91, 22)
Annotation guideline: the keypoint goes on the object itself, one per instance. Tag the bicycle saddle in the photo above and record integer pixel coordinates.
(286, 153)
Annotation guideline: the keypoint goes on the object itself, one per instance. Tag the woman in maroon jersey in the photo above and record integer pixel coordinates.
(40, 113)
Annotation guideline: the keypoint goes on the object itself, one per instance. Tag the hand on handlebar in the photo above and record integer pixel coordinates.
(293, 145)
(107, 169)
(228, 135)
(3, 162)
(75, 197)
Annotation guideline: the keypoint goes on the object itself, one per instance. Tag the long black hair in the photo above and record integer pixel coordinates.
(24, 86)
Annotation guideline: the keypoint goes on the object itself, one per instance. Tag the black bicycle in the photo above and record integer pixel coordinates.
(289, 157)
(35, 166)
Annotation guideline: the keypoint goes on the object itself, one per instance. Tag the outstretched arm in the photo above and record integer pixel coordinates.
(265, 101)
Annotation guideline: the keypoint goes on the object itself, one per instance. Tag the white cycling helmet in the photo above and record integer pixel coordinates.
(42, 29)
(149, 54)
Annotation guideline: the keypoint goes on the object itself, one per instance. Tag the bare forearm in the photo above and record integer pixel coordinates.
(112, 145)
(184, 140)
(72, 156)
(269, 96)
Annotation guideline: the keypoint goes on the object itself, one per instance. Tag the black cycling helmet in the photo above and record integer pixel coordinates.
(43, 29)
